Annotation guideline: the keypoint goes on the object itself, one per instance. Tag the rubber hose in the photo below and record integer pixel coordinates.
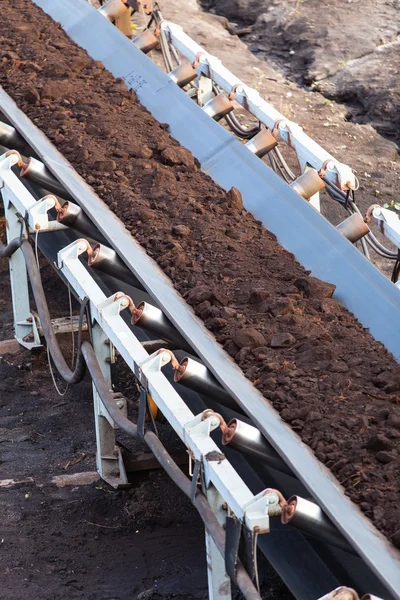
(7, 251)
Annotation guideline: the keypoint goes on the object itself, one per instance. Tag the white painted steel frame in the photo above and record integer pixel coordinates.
(308, 152)
(389, 224)
(12, 190)
(105, 311)
(192, 430)
(223, 483)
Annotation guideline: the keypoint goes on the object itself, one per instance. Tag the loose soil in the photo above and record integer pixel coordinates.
(350, 51)
(328, 378)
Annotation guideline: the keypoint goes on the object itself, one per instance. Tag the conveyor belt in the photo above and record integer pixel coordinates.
(370, 545)
(361, 287)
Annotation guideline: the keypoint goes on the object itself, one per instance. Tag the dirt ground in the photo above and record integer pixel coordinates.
(348, 50)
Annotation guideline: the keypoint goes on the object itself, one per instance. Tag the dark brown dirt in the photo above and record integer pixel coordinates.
(350, 51)
(311, 358)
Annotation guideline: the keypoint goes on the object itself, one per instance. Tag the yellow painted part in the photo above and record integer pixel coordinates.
(153, 407)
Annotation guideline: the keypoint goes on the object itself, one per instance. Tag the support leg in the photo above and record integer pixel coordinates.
(25, 329)
(108, 456)
(219, 584)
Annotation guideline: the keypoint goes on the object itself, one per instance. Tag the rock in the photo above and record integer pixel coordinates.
(92, 129)
(119, 87)
(146, 214)
(248, 337)
(288, 414)
(329, 306)
(314, 415)
(384, 457)
(282, 340)
(219, 298)
(394, 420)
(203, 306)
(282, 306)
(174, 155)
(145, 152)
(181, 231)
(338, 366)
(260, 353)
(32, 96)
(307, 355)
(257, 295)
(312, 287)
(383, 414)
(271, 367)
(378, 442)
(52, 90)
(218, 323)
(396, 539)
(234, 199)
(242, 355)
(105, 165)
(11, 55)
(231, 348)
(393, 383)
(198, 295)
(228, 313)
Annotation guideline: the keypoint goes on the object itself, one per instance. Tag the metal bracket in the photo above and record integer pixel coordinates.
(389, 224)
(257, 512)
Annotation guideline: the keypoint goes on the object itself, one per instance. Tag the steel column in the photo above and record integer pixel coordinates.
(219, 583)
(24, 322)
(108, 455)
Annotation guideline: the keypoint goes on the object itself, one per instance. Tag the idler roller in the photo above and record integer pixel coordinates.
(218, 107)
(309, 518)
(113, 9)
(183, 74)
(38, 173)
(262, 143)
(73, 216)
(353, 228)
(345, 593)
(11, 139)
(146, 41)
(198, 378)
(248, 440)
(308, 184)
(152, 319)
(105, 259)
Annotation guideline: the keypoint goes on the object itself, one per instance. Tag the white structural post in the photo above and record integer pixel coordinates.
(25, 330)
(219, 583)
(108, 456)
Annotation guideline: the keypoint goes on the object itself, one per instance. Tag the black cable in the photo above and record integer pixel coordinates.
(396, 269)
(238, 129)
